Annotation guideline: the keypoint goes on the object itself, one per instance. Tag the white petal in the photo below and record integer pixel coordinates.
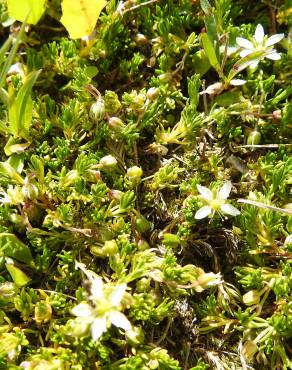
(117, 294)
(274, 56)
(97, 288)
(259, 34)
(244, 53)
(203, 212)
(237, 82)
(205, 192)
(98, 327)
(82, 310)
(225, 190)
(119, 319)
(244, 43)
(274, 39)
(230, 210)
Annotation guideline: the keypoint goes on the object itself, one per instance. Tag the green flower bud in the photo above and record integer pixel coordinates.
(165, 77)
(42, 312)
(171, 240)
(134, 173)
(135, 336)
(97, 110)
(110, 248)
(143, 285)
(143, 245)
(142, 225)
(112, 103)
(253, 138)
(97, 251)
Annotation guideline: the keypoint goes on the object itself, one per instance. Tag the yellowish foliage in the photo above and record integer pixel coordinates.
(80, 16)
(21, 9)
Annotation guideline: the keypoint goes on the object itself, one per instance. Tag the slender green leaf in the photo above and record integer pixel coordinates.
(11, 246)
(20, 109)
(194, 84)
(210, 52)
(18, 276)
(4, 49)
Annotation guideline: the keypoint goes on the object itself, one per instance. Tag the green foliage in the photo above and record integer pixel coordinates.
(123, 157)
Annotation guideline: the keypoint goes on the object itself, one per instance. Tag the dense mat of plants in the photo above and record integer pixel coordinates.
(145, 176)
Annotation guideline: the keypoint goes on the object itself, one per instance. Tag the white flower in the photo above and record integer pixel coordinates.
(260, 42)
(216, 201)
(106, 310)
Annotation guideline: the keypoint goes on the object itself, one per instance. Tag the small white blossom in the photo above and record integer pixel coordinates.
(260, 42)
(216, 201)
(106, 310)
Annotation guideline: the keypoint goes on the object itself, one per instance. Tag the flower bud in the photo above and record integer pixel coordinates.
(115, 123)
(102, 54)
(253, 138)
(135, 336)
(7, 290)
(152, 93)
(277, 115)
(143, 245)
(165, 77)
(30, 191)
(112, 103)
(251, 298)
(142, 225)
(42, 312)
(134, 173)
(78, 327)
(249, 349)
(97, 110)
(143, 285)
(171, 240)
(110, 248)
(141, 39)
(206, 280)
(115, 194)
(108, 161)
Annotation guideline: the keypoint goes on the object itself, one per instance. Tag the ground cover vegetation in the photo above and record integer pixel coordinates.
(145, 177)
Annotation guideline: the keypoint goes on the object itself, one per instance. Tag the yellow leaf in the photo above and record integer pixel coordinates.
(80, 16)
(20, 9)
